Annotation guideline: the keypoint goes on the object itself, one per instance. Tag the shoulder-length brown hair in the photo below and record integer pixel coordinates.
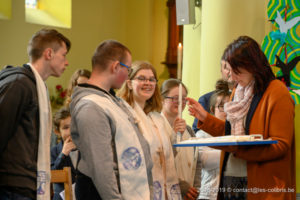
(152, 104)
(246, 53)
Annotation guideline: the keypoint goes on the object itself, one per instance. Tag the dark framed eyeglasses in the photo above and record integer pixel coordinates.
(128, 67)
(143, 79)
(175, 99)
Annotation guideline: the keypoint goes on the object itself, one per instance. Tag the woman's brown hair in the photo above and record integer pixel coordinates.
(246, 53)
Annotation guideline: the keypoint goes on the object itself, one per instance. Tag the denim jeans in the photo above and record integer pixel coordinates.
(6, 195)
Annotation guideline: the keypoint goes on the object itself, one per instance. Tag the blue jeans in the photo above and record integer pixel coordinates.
(6, 195)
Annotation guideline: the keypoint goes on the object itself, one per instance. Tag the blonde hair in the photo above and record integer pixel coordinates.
(152, 104)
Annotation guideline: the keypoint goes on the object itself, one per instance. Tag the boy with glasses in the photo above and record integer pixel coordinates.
(115, 160)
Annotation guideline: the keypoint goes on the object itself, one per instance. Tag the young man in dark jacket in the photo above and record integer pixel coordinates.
(25, 122)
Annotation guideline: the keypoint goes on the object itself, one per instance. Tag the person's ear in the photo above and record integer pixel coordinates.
(163, 100)
(114, 66)
(129, 84)
(212, 109)
(57, 132)
(48, 53)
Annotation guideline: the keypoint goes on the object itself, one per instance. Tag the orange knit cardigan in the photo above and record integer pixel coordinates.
(270, 168)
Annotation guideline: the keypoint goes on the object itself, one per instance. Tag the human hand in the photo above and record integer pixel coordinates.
(179, 125)
(68, 146)
(196, 110)
(192, 194)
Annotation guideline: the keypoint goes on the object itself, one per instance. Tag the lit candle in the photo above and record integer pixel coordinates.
(178, 138)
(180, 101)
(179, 73)
(179, 61)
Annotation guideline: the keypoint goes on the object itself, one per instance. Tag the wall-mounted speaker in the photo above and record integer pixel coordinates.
(185, 12)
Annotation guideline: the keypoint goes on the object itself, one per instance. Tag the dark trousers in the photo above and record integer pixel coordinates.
(235, 188)
(7, 195)
(85, 188)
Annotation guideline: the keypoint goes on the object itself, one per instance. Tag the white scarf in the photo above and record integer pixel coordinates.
(154, 129)
(131, 160)
(237, 109)
(43, 161)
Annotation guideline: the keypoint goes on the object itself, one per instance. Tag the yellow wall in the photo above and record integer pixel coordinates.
(159, 31)
(5, 9)
(191, 59)
(146, 30)
(133, 22)
(60, 9)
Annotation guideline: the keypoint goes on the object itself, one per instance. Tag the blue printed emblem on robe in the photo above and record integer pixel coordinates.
(131, 158)
(41, 182)
(157, 190)
(175, 192)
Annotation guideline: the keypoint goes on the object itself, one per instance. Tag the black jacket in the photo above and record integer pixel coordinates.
(19, 130)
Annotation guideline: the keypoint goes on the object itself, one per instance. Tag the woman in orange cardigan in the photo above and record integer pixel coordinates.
(260, 105)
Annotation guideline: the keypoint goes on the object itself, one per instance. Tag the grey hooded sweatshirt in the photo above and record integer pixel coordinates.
(93, 133)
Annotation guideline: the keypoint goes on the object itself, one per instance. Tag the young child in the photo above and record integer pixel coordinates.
(60, 153)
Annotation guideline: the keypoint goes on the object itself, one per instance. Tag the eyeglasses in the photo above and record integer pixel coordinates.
(128, 67)
(176, 98)
(221, 107)
(143, 79)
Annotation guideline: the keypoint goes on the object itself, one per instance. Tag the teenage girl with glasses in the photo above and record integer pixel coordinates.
(142, 93)
(184, 157)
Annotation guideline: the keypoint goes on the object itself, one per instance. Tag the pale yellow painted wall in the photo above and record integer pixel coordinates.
(191, 59)
(139, 28)
(59, 9)
(133, 22)
(146, 31)
(5, 9)
(160, 38)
